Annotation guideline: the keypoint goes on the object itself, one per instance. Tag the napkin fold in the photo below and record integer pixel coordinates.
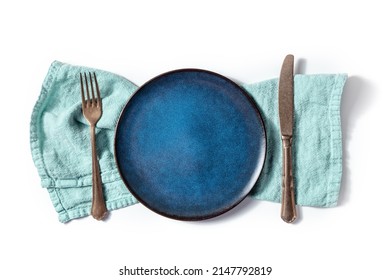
(317, 139)
(60, 144)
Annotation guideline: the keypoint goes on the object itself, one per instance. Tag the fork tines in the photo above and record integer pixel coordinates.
(88, 99)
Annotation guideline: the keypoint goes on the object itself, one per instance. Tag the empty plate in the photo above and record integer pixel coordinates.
(190, 144)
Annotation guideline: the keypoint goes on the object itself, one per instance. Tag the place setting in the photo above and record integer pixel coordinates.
(189, 144)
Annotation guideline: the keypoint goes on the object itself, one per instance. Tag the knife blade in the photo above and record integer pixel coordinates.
(286, 119)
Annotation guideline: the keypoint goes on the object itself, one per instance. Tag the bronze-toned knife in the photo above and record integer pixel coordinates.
(286, 117)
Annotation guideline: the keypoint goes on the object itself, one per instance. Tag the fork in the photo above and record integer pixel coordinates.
(92, 111)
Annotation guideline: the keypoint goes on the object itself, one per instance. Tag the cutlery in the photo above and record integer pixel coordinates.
(92, 111)
(286, 118)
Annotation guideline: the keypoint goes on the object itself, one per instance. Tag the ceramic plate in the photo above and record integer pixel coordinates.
(190, 144)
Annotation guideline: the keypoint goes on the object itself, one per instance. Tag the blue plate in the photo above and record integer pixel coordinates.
(190, 144)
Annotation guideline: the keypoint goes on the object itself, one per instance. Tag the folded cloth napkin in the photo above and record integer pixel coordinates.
(61, 152)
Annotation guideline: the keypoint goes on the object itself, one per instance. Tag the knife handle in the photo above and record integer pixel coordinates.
(289, 212)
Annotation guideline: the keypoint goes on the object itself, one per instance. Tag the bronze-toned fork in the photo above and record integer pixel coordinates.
(92, 111)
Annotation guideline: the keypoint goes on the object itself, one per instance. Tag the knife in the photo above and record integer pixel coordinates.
(286, 118)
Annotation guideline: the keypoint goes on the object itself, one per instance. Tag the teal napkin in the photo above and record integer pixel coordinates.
(60, 144)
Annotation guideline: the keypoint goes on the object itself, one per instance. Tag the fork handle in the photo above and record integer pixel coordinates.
(288, 213)
(99, 209)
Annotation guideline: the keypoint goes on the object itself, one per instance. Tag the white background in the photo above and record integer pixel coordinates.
(244, 40)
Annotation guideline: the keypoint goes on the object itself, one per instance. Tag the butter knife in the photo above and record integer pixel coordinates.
(286, 118)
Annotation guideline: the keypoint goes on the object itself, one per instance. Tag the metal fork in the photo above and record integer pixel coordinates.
(92, 111)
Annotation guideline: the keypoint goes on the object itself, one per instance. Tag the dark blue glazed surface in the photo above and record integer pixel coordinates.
(190, 144)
